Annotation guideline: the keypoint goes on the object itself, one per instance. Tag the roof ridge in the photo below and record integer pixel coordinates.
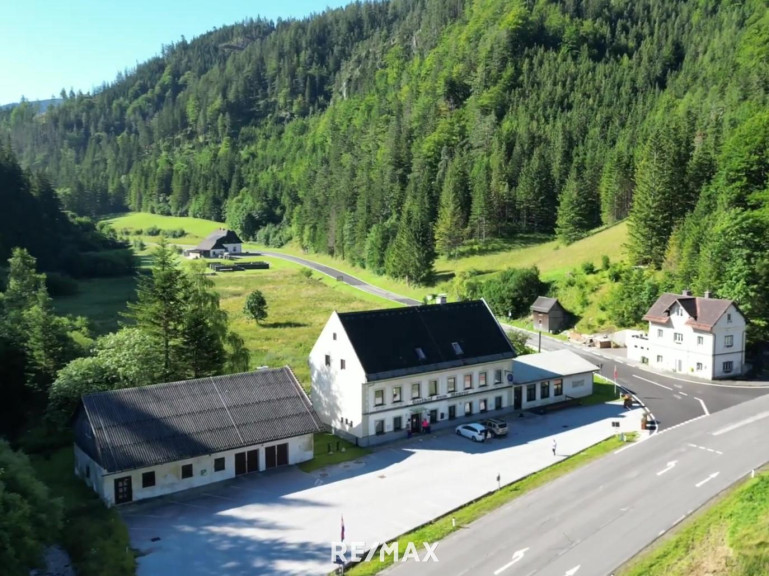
(302, 396)
(226, 409)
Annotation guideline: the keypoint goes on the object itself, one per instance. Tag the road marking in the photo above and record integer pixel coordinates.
(706, 480)
(704, 408)
(651, 382)
(680, 519)
(516, 557)
(670, 466)
(741, 423)
(706, 449)
(677, 396)
(660, 533)
(684, 394)
(678, 386)
(573, 571)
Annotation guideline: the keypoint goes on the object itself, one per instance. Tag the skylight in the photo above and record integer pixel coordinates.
(420, 353)
(457, 348)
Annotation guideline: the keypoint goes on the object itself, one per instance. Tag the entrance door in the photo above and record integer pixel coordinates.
(416, 424)
(240, 463)
(517, 397)
(283, 454)
(433, 416)
(276, 455)
(452, 412)
(498, 403)
(678, 366)
(123, 490)
(252, 461)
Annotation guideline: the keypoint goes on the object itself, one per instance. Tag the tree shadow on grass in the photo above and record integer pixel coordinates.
(288, 324)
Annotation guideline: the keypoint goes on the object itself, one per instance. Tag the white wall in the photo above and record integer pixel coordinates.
(571, 388)
(168, 477)
(234, 248)
(336, 394)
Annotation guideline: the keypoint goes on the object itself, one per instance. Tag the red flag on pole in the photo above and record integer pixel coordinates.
(342, 528)
(615, 372)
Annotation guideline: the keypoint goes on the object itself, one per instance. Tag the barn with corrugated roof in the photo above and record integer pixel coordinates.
(139, 443)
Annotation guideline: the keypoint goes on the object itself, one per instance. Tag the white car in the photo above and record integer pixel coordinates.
(474, 431)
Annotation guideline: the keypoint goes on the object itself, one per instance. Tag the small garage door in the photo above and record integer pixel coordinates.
(276, 455)
(246, 462)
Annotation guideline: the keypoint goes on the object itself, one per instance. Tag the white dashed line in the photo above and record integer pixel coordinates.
(651, 382)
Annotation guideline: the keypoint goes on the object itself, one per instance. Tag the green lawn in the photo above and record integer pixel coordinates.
(196, 228)
(443, 526)
(298, 308)
(94, 535)
(603, 391)
(730, 537)
(100, 300)
(330, 449)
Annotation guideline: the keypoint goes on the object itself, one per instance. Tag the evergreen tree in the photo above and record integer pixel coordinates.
(449, 228)
(411, 255)
(573, 220)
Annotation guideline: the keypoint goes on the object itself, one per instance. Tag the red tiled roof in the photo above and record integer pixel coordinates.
(703, 312)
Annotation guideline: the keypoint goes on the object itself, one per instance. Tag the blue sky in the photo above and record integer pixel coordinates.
(47, 45)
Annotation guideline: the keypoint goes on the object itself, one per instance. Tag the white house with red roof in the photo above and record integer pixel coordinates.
(699, 336)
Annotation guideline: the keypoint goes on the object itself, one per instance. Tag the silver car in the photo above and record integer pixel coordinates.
(474, 431)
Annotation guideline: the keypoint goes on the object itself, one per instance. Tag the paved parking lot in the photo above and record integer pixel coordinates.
(283, 522)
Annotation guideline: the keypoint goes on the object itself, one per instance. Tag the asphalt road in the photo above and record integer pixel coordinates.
(595, 519)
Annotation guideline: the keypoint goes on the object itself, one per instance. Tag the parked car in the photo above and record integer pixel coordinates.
(474, 431)
(496, 426)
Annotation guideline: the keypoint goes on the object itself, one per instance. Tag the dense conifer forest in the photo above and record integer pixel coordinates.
(388, 132)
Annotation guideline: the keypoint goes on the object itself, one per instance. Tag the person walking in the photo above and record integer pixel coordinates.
(555, 446)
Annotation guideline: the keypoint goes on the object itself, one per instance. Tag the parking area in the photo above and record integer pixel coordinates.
(284, 522)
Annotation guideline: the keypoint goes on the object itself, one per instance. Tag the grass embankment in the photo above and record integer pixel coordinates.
(330, 449)
(603, 391)
(442, 527)
(731, 537)
(94, 535)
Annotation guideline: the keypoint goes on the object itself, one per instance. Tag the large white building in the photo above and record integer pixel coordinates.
(378, 374)
(143, 442)
(702, 337)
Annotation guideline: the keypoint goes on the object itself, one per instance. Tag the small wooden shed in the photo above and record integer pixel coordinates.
(548, 315)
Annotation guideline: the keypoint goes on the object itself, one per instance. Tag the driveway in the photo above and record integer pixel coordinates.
(283, 522)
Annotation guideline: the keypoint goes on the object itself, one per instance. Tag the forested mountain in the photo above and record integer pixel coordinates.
(385, 131)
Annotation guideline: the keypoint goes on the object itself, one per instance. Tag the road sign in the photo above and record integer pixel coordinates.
(510, 377)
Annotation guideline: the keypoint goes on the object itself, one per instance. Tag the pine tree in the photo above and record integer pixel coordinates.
(573, 220)
(449, 228)
(412, 253)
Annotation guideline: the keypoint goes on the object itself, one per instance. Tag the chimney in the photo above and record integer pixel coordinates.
(708, 294)
(686, 292)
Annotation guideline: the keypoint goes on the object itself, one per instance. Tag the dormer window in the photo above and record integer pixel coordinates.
(420, 353)
(729, 317)
(457, 348)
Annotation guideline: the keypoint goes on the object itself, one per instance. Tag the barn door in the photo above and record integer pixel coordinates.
(252, 460)
(283, 454)
(240, 463)
(123, 490)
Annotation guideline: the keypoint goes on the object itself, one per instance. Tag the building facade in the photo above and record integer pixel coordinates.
(551, 377)
(698, 336)
(144, 442)
(379, 374)
(216, 245)
(548, 315)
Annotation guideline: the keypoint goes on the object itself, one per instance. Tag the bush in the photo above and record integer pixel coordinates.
(588, 267)
(153, 231)
(306, 272)
(605, 262)
(60, 284)
(138, 232)
(175, 233)
(513, 291)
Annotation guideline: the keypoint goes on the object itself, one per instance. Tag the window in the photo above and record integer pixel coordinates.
(728, 340)
(378, 397)
(531, 393)
(432, 388)
(544, 390)
(187, 471)
(420, 353)
(468, 381)
(659, 332)
(457, 348)
(218, 464)
(334, 335)
(379, 427)
(148, 479)
(497, 376)
(699, 366)
(468, 408)
(659, 358)
(342, 364)
(679, 311)
(396, 393)
(729, 317)
(451, 384)
(482, 379)
(577, 383)
(415, 390)
(557, 387)
(728, 367)
(398, 423)
(482, 405)
(678, 337)
(328, 360)
(700, 340)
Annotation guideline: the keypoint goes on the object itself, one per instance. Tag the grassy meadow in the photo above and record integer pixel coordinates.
(101, 300)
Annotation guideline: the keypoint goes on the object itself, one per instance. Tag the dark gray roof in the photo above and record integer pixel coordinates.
(139, 427)
(402, 341)
(703, 313)
(548, 365)
(218, 238)
(544, 304)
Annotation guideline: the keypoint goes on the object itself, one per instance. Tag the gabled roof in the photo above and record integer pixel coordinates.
(139, 427)
(217, 239)
(402, 341)
(548, 365)
(544, 304)
(703, 313)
